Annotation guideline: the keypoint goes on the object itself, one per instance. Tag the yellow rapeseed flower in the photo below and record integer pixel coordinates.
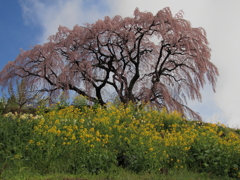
(58, 132)
(57, 121)
(31, 142)
(73, 137)
(18, 156)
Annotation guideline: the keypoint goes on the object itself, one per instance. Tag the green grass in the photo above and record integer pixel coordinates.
(113, 174)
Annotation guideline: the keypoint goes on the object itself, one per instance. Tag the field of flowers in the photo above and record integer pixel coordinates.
(73, 140)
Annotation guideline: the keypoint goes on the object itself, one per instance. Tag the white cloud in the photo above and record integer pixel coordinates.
(50, 14)
(224, 36)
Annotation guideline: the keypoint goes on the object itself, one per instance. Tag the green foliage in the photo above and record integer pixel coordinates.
(237, 131)
(3, 103)
(80, 101)
(63, 101)
(136, 138)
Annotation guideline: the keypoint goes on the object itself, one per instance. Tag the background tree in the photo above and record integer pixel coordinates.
(153, 58)
(22, 96)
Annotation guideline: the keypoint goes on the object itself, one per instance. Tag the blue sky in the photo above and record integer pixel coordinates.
(14, 33)
(25, 23)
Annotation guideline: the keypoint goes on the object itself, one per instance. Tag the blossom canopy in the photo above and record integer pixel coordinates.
(158, 58)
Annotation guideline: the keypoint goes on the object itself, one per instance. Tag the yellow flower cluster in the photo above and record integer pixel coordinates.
(102, 125)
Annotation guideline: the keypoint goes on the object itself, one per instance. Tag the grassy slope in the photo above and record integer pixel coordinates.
(114, 174)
